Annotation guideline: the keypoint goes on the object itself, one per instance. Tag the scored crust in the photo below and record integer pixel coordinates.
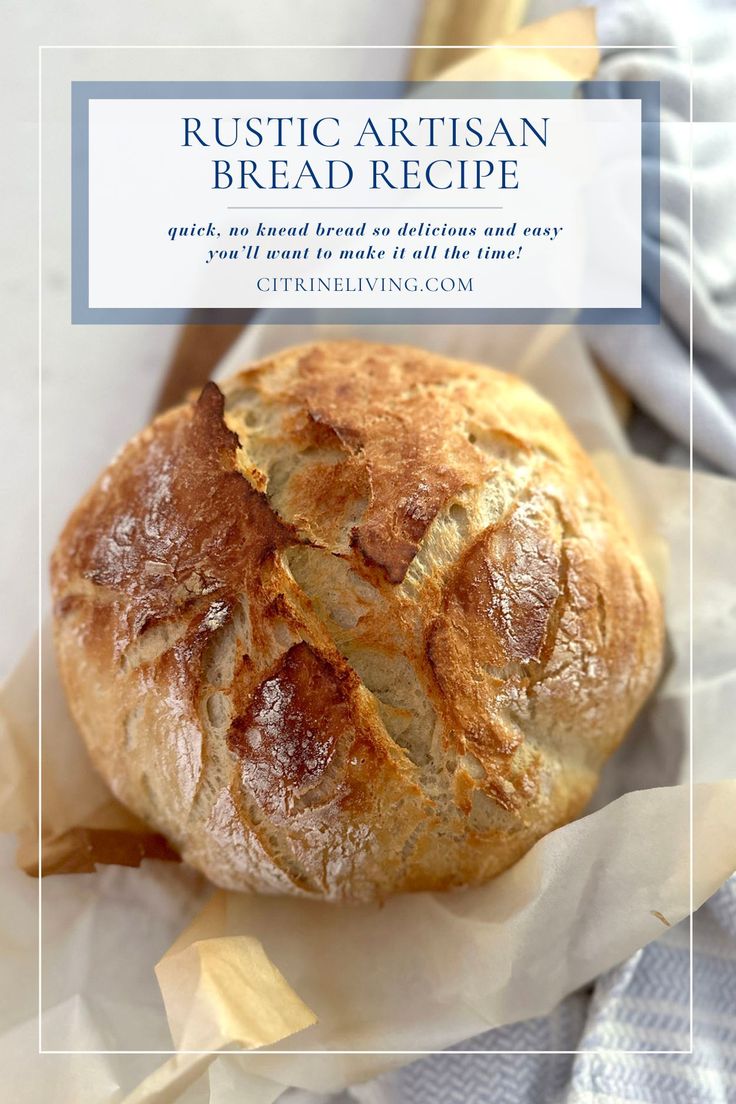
(365, 620)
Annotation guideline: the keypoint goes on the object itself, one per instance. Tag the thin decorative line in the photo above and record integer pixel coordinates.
(322, 207)
(321, 1053)
(40, 576)
(360, 46)
(691, 576)
(40, 894)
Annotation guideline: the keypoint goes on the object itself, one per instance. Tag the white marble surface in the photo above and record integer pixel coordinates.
(99, 383)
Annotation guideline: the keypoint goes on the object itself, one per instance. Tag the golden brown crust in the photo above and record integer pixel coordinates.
(368, 622)
(151, 533)
(412, 450)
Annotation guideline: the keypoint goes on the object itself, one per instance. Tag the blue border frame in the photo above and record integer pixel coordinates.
(645, 91)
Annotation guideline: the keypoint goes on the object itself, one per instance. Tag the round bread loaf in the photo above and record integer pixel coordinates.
(364, 620)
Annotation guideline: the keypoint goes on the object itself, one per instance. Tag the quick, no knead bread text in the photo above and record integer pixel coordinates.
(362, 241)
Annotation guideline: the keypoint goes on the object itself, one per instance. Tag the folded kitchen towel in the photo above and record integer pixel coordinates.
(652, 362)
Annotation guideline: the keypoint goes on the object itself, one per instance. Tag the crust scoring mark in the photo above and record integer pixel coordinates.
(409, 456)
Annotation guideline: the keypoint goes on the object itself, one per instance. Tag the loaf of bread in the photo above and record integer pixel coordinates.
(362, 620)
